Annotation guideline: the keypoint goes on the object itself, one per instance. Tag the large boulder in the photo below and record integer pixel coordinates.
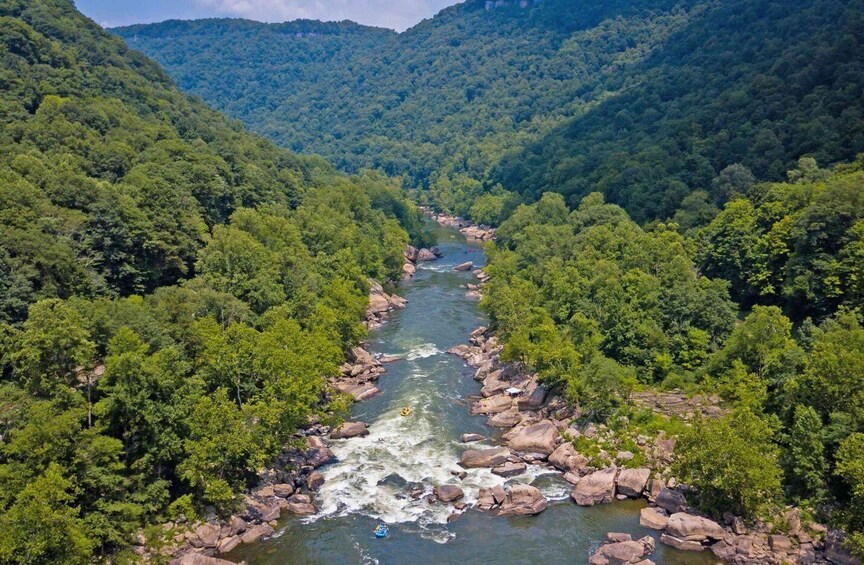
(426, 255)
(492, 457)
(671, 501)
(693, 528)
(255, 533)
(208, 534)
(349, 430)
(536, 438)
(567, 459)
(523, 500)
(533, 399)
(448, 493)
(632, 482)
(198, 559)
(623, 552)
(653, 518)
(510, 469)
(317, 452)
(492, 405)
(506, 419)
(596, 488)
(228, 544)
(678, 543)
(467, 266)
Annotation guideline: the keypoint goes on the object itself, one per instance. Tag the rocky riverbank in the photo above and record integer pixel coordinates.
(541, 429)
(288, 486)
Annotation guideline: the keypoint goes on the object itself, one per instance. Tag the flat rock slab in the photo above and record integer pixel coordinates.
(693, 528)
(652, 518)
(492, 405)
(683, 545)
(485, 457)
(469, 438)
(255, 533)
(510, 469)
(467, 266)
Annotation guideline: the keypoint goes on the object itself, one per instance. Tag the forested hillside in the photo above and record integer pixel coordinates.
(599, 307)
(173, 290)
(644, 100)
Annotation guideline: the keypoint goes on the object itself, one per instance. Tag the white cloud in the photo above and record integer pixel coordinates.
(395, 14)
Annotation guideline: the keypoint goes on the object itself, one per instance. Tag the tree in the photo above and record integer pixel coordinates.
(54, 348)
(804, 456)
(42, 526)
(732, 463)
(850, 467)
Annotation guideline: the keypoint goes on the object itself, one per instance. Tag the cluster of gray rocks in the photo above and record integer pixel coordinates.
(468, 228)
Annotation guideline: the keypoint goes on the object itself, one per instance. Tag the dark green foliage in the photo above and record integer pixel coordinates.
(645, 101)
(753, 83)
(798, 245)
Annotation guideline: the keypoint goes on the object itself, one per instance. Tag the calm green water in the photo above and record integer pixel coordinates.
(369, 483)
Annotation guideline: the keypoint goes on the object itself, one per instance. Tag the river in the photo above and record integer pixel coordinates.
(368, 484)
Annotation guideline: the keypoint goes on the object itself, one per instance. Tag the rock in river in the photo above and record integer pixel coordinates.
(523, 500)
(349, 430)
(464, 267)
(485, 457)
(596, 488)
(448, 493)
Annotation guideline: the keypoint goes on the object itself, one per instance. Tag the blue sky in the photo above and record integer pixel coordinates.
(395, 14)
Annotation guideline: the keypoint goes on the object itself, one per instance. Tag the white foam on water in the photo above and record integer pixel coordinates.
(422, 352)
(413, 449)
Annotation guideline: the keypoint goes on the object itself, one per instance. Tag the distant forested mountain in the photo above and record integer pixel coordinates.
(645, 100)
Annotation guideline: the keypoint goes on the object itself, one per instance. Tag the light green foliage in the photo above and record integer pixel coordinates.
(41, 526)
(602, 387)
(763, 346)
(54, 345)
(732, 461)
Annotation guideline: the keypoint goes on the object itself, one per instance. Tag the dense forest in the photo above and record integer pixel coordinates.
(173, 291)
(762, 306)
(677, 187)
(643, 100)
